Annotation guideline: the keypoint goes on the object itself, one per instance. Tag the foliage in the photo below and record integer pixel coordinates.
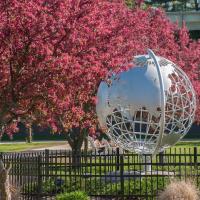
(149, 186)
(180, 190)
(77, 195)
(141, 31)
(46, 53)
(98, 186)
(53, 55)
(130, 3)
(29, 33)
(133, 3)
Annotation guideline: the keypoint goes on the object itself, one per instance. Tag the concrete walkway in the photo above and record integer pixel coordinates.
(56, 147)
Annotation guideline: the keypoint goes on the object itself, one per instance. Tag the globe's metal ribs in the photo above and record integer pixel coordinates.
(135, 125)
(162, 100)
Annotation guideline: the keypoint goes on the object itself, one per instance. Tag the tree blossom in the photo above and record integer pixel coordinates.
(54, 53)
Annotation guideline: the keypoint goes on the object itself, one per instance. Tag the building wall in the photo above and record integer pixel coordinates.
(191, 19)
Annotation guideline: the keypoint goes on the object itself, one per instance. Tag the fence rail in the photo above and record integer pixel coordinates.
(103, 175)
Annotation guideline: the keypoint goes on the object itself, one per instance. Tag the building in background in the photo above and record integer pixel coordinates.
(181, 11)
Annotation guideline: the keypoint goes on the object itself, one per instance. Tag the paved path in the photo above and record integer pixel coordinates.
(56, 147)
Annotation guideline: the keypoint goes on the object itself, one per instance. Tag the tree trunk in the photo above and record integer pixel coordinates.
(5, 193)
(75, 139)
(29, 134)
(86, 145)
(85, 149)
(76, 158)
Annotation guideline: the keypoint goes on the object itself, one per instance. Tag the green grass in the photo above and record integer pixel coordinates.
(76, 195)
(17, 147)
(188, 143)
(185, 147)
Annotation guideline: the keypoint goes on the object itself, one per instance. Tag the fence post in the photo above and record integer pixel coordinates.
(1, 155)
(161, 157)
(195, 156)
(46, 163)
(118, 159)
(39, 186)
(122, 174)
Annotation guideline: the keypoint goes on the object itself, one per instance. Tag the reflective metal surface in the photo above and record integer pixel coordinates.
(132, 108)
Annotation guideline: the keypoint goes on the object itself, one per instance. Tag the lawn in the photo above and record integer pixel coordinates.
(188, 143)
(23, 146)
(185, 147)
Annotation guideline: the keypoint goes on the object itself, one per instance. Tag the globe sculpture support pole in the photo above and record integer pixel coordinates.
(162, 100)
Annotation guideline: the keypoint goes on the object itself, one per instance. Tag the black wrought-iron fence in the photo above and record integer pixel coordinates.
(103, 175)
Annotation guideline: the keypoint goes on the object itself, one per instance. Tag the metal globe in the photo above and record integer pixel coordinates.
(147, 108)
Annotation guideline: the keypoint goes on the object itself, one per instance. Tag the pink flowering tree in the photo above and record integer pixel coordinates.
(31, 32)
(99, 41)
(54, 53)
(110, 46)
(24, 48)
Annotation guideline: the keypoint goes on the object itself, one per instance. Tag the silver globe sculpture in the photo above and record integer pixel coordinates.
(148, 108)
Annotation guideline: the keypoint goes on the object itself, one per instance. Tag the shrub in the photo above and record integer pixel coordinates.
(77, 195)
(177, 190)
